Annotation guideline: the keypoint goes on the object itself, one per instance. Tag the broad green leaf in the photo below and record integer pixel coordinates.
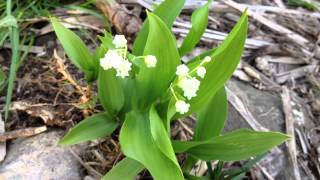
(160, 136)
(197, 60)
(106, 44)
(93, 127)
(110, 91)
(225, 60)
(233, 146)
(199, 20)
(106, 40)
(154, 82)
(75, 49)
(137, 143)
(126, 169)
(211, 119)
(167, 12)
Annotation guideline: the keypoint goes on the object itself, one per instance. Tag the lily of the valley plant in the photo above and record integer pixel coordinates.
(142, 91)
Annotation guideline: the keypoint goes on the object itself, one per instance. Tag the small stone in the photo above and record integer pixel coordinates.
(38, 158)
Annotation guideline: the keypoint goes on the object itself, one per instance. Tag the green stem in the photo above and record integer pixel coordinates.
(14, 40)
(210, 171)
(217, 174)
(173, 93)
(8, 8)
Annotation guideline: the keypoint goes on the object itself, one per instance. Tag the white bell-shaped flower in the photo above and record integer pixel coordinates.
(201, 72)
(190, 86)
(207, 59)
(150, 61)
(119, 41)
(124, 69)
(182, 70)
(112, 59)
(182, 107)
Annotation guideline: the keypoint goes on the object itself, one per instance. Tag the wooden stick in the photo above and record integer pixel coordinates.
(22, 133)
(291, 143)
(251, 71)
(90, 169)
(295, 73)
(2, 144)
(271, 24)
(124, 22)
(220, 7)
(280, 3)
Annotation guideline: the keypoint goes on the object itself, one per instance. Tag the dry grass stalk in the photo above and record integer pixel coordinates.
(22, 133)
(84, 91)
(291, 144)
(270, 24)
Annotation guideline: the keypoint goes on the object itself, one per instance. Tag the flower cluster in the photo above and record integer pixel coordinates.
(188, 84)
(117, 58)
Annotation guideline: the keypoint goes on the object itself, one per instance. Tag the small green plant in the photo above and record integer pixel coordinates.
(143, 91)
(9, 27)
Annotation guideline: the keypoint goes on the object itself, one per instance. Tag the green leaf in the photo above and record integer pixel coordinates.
(190, 177)
(8, 21)
(93, 127)
(140, 144)
(126, 169)
(234, 146)
(15, 59)
(199, 20)
(303, 3)
(225, 60)
(154, 82)
(160, 135)
(110, 91)
(75, 49)
(167, 12)
(211, 119)
(106, 44)
(237, 173)
(3, 78)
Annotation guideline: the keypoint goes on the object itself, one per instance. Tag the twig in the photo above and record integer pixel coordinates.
(22, 133)
(219, 7)
(218, 36)
(86, 166)
(291, 144)
(185, 127)
(270, 24)
(124, 22)
(85, 92)
(251, 71)
(2, 144)
(296, 73)
(265, 172)
(244, 111)
(280, 3)
(33, 49)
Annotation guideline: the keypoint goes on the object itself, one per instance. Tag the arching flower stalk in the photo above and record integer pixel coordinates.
(188, 83)
(117, 58)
